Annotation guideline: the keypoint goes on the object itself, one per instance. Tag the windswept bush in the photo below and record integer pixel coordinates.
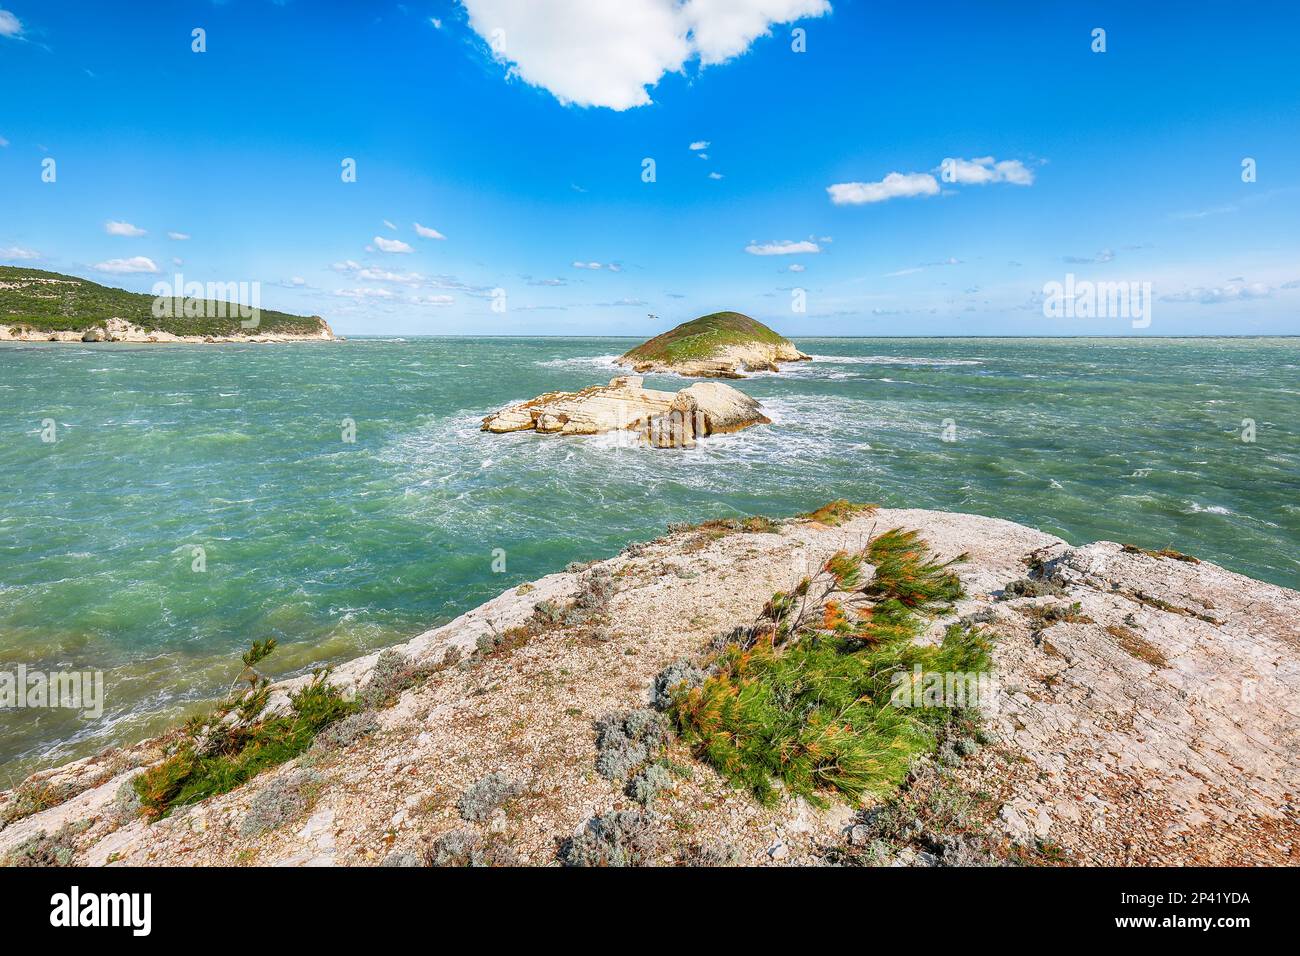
(805, 697)
(215, 754)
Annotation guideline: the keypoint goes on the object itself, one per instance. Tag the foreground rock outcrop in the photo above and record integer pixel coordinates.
(720, 345)
(1145, 713)
(664, 419)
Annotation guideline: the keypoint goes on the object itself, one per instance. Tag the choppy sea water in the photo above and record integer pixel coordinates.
(336, 548)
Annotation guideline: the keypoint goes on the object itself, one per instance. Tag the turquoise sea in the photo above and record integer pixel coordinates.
(336, 548)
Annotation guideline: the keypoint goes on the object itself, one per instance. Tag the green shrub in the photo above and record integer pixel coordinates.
(805, 697)
(215, 756)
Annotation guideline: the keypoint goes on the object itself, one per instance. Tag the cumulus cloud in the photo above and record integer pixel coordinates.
(427, 233)
(700, 144)
(10, 25)
(597, 53)
(985, 170)
(783, 247)
(18, 252)
(116, 228)
(893, 186)
(715, 175)
(391, 245)
(135, 264)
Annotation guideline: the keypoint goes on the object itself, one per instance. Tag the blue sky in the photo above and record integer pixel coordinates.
(1117, 166)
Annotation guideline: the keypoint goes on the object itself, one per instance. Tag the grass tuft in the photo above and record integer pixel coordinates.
(835, 513)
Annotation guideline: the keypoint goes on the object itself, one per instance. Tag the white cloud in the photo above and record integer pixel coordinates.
(612, 267)
(985, 170)
(115, 228)
(427, 233)
(390, 225)
(715, 175)
(893, 186)
(1106, 255)
(365, 293)
(178, 236)
(433, 300)
(901, 272)
(10, 25)
(18, 252)
(702, 155)
(1232, 291)
(597, 53)
(795, 267)
(391, 245)
(700, 144)
(784, 247)
(128, 266)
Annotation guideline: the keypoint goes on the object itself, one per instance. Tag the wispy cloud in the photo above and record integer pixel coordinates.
(1106, 255)
(1235, 290)
(117, 228)
(178, 236)
(700, 144)
(425, 232)
(782, 247)
(136, 264)
(19, 252)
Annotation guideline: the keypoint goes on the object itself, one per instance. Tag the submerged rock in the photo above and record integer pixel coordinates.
(664, 419)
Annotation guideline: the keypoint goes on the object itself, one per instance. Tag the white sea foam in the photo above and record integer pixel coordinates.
(890, 360)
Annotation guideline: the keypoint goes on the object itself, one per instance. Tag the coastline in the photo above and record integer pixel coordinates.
(1099, 720)
(126, 333)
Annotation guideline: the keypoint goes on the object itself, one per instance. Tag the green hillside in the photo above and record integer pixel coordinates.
(700, 339)
(52, 302)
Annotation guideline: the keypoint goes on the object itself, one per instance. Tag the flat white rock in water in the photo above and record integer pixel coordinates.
(664, 419)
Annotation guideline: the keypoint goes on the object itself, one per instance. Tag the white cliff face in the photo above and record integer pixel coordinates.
(730, 361)
(1155, 723)
(664, 419)
(120, 330)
